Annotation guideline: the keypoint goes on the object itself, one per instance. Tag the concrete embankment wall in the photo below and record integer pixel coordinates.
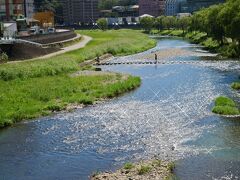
(21, 51)
(28, 51)
(50, 38)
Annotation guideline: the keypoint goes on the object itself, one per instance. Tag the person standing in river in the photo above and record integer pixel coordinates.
(156, 58)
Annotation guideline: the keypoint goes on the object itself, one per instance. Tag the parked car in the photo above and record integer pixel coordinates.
(51, 30)
(34, 30)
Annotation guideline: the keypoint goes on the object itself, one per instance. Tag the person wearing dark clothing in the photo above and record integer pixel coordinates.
(156, 58)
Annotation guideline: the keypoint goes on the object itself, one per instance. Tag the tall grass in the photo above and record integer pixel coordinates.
(35, 97)
(116, 42)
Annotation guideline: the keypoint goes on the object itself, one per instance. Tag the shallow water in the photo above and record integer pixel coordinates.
(169, 116)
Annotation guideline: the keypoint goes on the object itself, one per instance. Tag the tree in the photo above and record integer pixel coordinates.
(215, 26)
(54, 6)
(159, 23)
(102, 23)
(184, 23)
(147, 23)
(169, 22)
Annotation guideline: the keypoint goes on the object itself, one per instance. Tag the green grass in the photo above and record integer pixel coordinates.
(225, 106)
(37, 88)
(224, 101)
(171, 166)
(116, 42)
(225, 110)
(144, 169)
(236, 85)
(128, 166)
(35, 97)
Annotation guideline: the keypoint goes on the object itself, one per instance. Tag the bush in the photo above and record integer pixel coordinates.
(230, 51)
(211, 44)
(128, 166)
(144, 169)
(236, 85)
(3, 57)
(102, 23)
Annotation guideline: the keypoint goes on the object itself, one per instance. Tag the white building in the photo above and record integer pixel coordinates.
(29, 8)
(172, 7)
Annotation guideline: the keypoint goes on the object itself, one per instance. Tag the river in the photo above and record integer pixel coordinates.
(168, 117)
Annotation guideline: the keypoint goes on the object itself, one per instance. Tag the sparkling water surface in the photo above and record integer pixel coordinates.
(169, 116)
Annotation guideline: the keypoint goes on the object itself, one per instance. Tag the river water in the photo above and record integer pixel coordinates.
(168, 117)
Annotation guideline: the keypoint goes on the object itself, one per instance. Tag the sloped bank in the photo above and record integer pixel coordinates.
(38, 88)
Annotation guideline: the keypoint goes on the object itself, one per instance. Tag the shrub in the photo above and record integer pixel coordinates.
(236, 85)
(171, 166)
(102, 23)
(144, 169)
(3, 57)
(211, 44)
(128, 166)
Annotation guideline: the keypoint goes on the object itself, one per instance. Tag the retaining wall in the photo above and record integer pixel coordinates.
(50, 38)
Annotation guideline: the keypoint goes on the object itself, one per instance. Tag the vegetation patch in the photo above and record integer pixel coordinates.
(128, 166)
(116, 42)
(35, 97)
(236, 85)
(30, 89)
(153, 169)
(144, 169)
(225, 106)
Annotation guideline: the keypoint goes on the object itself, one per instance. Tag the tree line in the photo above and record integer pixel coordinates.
(220, 22)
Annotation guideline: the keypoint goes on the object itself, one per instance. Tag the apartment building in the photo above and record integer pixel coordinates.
(10, 9)
(80, 11)
(152, 7)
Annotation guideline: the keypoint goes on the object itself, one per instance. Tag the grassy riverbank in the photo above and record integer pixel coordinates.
(225, 106)
(153, 169)
(35, 97)
(35, 88)
(201, 38)
(116, 42)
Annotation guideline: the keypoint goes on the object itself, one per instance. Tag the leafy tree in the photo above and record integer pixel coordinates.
(159, 23)
(184, 23)
(215, 26)
(102, 23)
(147, 23)
(169, 22)
(54, 6)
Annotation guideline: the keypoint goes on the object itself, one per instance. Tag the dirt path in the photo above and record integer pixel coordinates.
(81, 44)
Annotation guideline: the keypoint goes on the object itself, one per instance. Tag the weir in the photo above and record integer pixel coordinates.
(109, 63)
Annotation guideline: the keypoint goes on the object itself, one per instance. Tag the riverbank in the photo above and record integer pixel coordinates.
(152, 169)
(36, 88)
(225, 51)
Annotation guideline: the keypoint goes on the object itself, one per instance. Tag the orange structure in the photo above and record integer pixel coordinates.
(46, 19)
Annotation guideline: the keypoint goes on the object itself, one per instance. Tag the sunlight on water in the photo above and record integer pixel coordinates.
(169, 116)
